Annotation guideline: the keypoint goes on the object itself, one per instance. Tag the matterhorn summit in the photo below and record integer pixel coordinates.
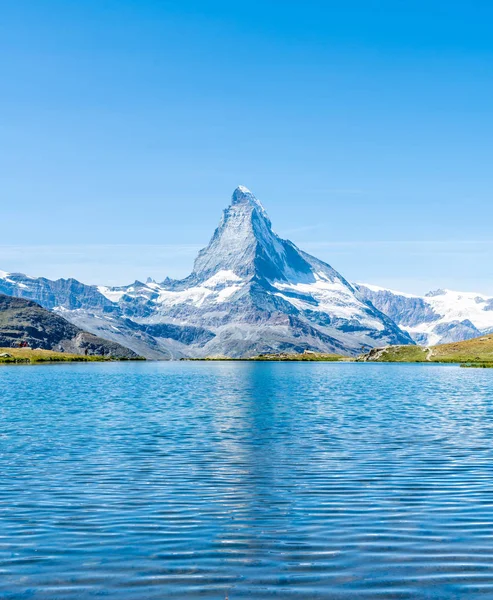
(245, 244)
(250, 292)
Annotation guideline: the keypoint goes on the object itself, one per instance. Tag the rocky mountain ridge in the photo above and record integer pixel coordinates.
(24, 321)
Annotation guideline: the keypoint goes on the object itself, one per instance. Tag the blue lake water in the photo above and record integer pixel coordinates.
(252, 480)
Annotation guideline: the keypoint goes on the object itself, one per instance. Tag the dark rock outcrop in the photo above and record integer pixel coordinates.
(24, 321)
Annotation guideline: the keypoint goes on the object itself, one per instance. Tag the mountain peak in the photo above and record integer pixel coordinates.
(243, 196)
(245, 244)
(242, 189)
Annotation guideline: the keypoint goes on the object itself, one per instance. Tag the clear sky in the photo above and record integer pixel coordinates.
(365, 128)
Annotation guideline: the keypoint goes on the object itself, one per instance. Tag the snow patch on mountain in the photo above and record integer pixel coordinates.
(6, 277)
(112, 295)
(330, 296)
(461, 305)
(216, 289)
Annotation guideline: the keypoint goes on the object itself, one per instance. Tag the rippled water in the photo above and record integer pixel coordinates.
(201, 480)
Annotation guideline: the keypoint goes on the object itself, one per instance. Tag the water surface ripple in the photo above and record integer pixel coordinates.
(252, 480)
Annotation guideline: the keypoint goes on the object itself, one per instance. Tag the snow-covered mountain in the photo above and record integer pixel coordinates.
(249, 292)
(439, 317)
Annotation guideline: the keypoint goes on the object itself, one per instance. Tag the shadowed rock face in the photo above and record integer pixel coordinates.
(456, 331)
(25, 321)
(250, 291)
(408, 311)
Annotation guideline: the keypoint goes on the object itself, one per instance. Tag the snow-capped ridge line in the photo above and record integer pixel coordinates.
(438, 317)
(378, 288)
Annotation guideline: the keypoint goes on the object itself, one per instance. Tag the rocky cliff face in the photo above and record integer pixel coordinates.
(440, 317)
(69, 294)
(249, 292)
(25, 321)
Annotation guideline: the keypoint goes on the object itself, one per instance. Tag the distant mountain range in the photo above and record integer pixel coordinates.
(440, 317)
(252, 292)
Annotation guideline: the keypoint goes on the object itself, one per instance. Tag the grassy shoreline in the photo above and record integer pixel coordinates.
(473, 353)
(476, 353)
(281, 357)
(16, 356)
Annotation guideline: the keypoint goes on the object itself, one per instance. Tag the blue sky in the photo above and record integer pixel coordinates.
(365, 128)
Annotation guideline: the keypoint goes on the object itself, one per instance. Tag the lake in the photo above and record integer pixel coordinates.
(247, 480)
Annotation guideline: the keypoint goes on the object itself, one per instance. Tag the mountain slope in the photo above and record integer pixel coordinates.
(439, 317)
(25, 321)
(250, 292)
(476, 350)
